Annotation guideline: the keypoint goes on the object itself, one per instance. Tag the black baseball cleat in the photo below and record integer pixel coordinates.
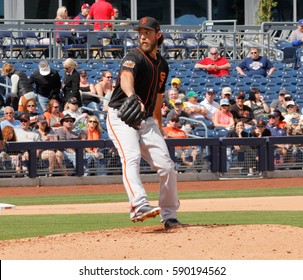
(145, 212)
(172, 223)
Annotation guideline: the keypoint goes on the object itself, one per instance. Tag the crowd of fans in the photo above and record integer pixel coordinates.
(47, 107)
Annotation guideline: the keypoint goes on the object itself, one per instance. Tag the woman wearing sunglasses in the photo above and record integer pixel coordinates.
(53, 114)
(94, 156)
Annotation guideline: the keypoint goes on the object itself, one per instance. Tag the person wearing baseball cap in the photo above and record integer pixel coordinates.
(260, 130)
(227, 93)
(242, 112)
(296, 36)
(210, 104)
(176, 83)
(280, 103)
(223, 117)
(142, 80)
(47, 82)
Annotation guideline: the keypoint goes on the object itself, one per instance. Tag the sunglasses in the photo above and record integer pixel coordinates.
(9, 113)
(23, 121)
(287, 99)
(213, 53)
(290, 106)
(68, 121)
(31, 105)
(56, 107)
(109, 77)
(174, 120)
(253, 52)
(92, 121)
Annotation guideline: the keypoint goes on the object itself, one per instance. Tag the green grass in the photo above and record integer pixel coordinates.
(22, 226)
(103, 198)
(13, 227)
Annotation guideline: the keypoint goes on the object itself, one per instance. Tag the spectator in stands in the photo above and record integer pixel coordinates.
(105, 86)
(223, 117)
(53, 114)
(260, 130)
(293, 119)
(210, 104)
(12, 160)
(168, 105)
(255, 65)
(179, 111)
(25, 134)
(47, 83)
(214, 64)
(65, 132)
(94, 155)
(21, 90)
(87, 87)
(242, 112)
(172, 130)
(71, 107)
(71, 81)
(280, 103)
(227, 93)
(61, 17)
(9, 118)
(296, 36)
(274, 120)
(31, 108)
(83, 14)
(187, 155)
(82, 37)
(176, 83)
(245, 156)
(256, 103)
(116, 16)
(102, 10)
(55, 157)
(195, 109)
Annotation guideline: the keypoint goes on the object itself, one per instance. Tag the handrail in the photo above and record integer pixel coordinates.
(197, 121)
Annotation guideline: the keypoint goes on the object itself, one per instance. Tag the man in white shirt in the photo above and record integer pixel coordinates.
(209, 104)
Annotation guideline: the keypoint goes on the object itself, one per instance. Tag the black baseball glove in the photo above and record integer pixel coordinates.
(130, 112)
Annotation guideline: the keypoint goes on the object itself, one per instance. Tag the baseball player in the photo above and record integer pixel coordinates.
(134, 125)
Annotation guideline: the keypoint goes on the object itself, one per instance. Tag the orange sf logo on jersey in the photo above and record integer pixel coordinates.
(162, 79)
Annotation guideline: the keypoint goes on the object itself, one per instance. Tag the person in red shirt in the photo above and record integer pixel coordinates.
(214, 64)
(102, 10)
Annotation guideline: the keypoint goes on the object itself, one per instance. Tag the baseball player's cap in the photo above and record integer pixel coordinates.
(283, 91)
(227, 90)
(290, 103)
(191, 93)
(41, 119)
(261, 123)
(240, 95)
(148, 23)
(72, 100)
(85, 6)
(178, 102)
(300, 22)
(176, 81)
